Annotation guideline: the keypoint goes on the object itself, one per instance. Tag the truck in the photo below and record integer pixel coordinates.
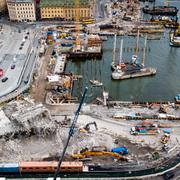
(143, 131)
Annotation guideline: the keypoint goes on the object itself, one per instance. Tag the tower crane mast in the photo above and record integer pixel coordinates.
(78, 25)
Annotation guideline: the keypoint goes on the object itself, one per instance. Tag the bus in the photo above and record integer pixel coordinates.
(88, 21)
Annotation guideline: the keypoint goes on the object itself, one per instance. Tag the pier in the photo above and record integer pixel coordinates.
(143, 72)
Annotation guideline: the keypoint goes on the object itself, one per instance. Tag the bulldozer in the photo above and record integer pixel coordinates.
(86, 128)
(163, 108)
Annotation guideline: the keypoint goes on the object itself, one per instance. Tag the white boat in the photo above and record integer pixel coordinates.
(117, 74)
(174, 40)
(96, 83)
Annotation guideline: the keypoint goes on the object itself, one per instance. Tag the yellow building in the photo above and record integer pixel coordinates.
(64, 9)
(21, 10)
(3, 6)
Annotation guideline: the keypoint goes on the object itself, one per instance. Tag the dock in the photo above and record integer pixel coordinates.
(85, 54)
(141, 73)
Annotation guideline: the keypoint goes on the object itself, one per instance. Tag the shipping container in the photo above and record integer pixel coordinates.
(9, 167)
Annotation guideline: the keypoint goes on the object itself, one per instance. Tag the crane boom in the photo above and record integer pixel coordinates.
(71, 132)
(77, 10)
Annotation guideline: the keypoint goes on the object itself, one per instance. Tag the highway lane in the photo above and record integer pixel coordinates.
(15, 56)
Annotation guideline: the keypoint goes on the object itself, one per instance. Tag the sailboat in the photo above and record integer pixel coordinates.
(95, 82)
(174, 37)
(134, 69)
(161, 10)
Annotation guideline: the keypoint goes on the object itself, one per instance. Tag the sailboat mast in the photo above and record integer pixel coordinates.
(166, 3)
(120, 55)
(95, 71)
(137, 44)
(144, 52)
(114, 50)
(154, 4)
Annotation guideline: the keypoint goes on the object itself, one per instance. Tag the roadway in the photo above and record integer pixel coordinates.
(24, 59)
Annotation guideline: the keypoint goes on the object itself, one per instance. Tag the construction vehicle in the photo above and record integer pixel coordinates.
(165, 138)
(163, 109)
(84, 153)
(86, 128)
(137, 130)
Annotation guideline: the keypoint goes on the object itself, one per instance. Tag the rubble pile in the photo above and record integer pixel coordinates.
(24, 119)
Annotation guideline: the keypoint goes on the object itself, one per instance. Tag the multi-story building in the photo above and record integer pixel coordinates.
(3, 6)
(65, 9)
(21, 10)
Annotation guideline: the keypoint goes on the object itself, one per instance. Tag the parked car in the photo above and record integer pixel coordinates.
(1, 72)
(20, 47)
(13, 66)
(4, 79)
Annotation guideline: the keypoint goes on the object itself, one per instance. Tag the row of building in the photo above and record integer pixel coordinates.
(27, 10)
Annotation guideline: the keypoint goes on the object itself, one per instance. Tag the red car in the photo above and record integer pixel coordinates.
(1, 72)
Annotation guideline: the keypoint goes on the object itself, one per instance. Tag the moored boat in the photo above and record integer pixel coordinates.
(174, 38)
(133, 69)
(96, 83)
(177, 98)
(161, 10)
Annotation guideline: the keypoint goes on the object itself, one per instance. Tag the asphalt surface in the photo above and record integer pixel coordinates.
(11, 39)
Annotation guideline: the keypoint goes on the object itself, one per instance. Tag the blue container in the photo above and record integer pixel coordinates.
(167, 131)
(50, 32)
(142, 130)
(9, 168)
(120, 150)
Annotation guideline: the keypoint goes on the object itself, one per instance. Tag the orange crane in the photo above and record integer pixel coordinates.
(78, 26)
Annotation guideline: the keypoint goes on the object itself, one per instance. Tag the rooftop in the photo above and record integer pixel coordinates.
(20, 1)
(63, 3)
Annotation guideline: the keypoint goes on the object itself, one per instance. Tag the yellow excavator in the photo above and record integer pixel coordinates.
(165, 138)
(84, 153)
(86, 128)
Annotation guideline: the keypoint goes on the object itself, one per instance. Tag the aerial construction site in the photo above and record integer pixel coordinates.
(85, 98)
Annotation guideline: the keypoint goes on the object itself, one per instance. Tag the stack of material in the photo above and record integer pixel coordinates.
(94, 40)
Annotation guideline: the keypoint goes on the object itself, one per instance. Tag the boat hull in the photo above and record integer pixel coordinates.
(161, 10)
(174, 42)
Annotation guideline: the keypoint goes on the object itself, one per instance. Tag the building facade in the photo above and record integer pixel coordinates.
(65, 9)
(21, 10)
(3, 6)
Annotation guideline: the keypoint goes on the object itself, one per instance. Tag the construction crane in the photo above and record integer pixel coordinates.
(78, 25)
(71, 132)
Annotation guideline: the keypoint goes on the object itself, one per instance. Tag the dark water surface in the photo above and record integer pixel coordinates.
(161, 87)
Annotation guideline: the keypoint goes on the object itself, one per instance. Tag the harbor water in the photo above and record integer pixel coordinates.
(161, 87)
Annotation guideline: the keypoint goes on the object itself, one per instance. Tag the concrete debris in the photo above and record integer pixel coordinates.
(21, 118)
